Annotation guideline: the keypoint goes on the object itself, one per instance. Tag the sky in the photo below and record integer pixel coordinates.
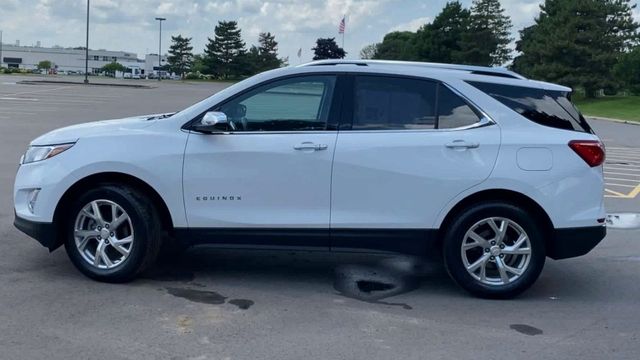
(129, 25)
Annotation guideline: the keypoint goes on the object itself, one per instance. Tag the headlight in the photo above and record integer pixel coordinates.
(38, 153)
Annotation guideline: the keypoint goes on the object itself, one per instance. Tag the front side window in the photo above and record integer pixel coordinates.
(297, 104)
(386, 103)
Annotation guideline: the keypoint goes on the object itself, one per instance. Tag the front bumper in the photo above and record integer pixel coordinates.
(571, 242)
(45, 233)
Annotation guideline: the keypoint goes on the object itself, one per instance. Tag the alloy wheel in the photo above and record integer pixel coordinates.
(103, 234)
(496, 251)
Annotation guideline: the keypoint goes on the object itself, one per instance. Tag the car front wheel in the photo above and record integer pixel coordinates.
(494, 250)
(113, 233)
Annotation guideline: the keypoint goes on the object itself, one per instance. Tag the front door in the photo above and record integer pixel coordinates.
(269, 180)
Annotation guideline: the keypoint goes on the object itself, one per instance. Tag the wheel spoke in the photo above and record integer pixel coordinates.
(114, 212)
(502, 270)
(97, 216)
(83, 243)
(118, 245)
(480, 262)
(98, 255)
(105, 258)
(479, 240)
(513, 270)
(85, 233)
(516, 248)
(483, 271)
(117, 222)
(499, 230)
(124, 241)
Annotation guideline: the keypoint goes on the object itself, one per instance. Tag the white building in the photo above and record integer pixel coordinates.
(73, 59)
(151, 63)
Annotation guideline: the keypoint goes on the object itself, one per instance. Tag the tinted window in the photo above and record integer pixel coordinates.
(453, 112)
(382, 103)
(288, 105)
(549, 108)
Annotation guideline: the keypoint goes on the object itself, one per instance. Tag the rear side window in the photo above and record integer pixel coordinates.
(384, 103)
(453, 112)
(545, 107)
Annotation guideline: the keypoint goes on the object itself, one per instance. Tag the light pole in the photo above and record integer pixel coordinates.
(160, 20)
(86, 50)
(0, 48)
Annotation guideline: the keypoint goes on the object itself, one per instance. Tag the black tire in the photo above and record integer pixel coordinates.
(145, 225)
(465, 220)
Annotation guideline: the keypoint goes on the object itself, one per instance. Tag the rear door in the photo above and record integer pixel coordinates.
(407, 146)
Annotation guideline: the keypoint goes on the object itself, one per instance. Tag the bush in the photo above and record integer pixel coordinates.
(193, 76)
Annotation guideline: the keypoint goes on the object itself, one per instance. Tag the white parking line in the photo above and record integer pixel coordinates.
(17, 99)
(617, 173)
(624, 164)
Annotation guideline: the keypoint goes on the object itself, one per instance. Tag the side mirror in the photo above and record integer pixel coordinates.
(214, 122)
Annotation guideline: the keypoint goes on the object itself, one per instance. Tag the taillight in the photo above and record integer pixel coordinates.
(591, 151)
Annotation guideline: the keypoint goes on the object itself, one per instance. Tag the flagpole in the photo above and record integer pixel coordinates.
(345, 29)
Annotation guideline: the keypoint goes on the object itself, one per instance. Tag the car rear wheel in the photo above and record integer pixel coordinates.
(113, 233)
(494, 250)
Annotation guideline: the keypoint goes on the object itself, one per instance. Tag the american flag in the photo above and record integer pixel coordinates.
(341, 27)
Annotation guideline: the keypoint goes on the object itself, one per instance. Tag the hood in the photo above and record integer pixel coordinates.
(73, 133)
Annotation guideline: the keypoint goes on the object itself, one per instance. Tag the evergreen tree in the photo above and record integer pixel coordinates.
(225, 53)
(487, 39)
(398, 45)
(327, 49)
(440, 40)
(627, 71)
(268, 52)
(577, 42)
(180, 56)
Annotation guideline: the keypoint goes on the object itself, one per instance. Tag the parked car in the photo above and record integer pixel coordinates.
(489, 170)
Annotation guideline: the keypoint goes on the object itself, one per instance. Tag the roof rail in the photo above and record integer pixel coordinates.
(478, 70)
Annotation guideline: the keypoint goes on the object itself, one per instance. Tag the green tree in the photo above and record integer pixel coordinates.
(180, 56)
(487, 39)
(44, 65)
(225, 53)
(111, 68)
(369, 51)
(198, 64)
(268, 52)
(327, 49)
(627, 70)
(253, 60)
(440, 41)
(398, 45)
(577, 43)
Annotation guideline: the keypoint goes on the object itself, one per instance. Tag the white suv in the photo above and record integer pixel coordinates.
(492, 171)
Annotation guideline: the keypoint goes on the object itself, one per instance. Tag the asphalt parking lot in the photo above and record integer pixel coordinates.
(224, 304)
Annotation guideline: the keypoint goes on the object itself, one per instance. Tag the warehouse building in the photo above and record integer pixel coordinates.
(72, 59)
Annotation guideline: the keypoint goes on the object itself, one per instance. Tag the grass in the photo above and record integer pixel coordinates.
(614, 107)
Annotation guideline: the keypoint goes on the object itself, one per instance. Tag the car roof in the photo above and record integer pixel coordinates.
(438, 71)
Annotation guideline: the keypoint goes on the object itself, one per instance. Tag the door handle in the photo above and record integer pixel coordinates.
(311, 146)
(461, 144)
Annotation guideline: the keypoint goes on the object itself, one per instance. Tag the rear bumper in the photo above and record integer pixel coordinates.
(45, 233)
(572, 242)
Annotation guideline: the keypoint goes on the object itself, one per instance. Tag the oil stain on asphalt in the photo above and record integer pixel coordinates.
(208, 297)
(526, 329)
(374, 283)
